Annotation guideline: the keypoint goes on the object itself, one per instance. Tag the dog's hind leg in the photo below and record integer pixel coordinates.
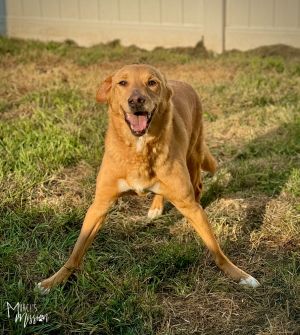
(157, 207)
(194, 168)
(195, 163)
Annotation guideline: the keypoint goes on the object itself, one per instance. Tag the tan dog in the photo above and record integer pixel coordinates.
(154, 142)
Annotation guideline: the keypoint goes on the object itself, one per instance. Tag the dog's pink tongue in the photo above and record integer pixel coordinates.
(137, 122)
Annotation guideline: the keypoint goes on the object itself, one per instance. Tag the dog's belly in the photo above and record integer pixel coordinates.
(139, 186)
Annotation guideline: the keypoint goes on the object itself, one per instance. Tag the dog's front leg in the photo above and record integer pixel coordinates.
(178, 189)
(106, 194)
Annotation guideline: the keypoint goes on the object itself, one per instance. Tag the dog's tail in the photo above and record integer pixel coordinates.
(209, 163)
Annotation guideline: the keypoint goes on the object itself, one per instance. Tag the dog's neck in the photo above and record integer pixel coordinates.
(147, 151)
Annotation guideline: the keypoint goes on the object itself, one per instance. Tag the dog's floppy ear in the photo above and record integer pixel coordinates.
(167, 88)
(104, 90)
(169, 92)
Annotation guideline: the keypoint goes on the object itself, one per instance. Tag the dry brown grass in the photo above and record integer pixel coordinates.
(155, 277)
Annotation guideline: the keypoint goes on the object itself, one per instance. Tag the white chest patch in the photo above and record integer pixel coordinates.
(123, 186)
(138, 187)
(140, 142)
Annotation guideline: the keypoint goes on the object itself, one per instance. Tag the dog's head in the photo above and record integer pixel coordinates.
(138, 93)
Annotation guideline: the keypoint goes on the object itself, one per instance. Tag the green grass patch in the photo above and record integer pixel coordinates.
(142, 277)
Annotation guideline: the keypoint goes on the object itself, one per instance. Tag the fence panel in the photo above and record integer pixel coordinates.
(252, 23)
(222, 24)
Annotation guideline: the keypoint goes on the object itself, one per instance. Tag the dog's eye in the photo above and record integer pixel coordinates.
(151, 83)
(123, 83)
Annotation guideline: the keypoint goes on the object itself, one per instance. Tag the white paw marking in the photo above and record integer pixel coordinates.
(249, 281)
(42, 289)
(154, 213)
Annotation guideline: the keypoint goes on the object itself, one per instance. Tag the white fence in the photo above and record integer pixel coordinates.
(222, 24)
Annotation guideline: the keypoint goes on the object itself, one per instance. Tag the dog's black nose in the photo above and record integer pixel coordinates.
(136, 100)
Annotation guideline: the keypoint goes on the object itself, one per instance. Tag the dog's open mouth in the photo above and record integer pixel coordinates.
(138, 122)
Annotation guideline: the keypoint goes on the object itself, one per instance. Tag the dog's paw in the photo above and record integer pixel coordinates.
(41, 289)
(250, 282)
(154, 213)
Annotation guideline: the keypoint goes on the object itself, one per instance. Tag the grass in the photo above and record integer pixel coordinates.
(143, 277)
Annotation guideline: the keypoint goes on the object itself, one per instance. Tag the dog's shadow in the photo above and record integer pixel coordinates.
(261, 169)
